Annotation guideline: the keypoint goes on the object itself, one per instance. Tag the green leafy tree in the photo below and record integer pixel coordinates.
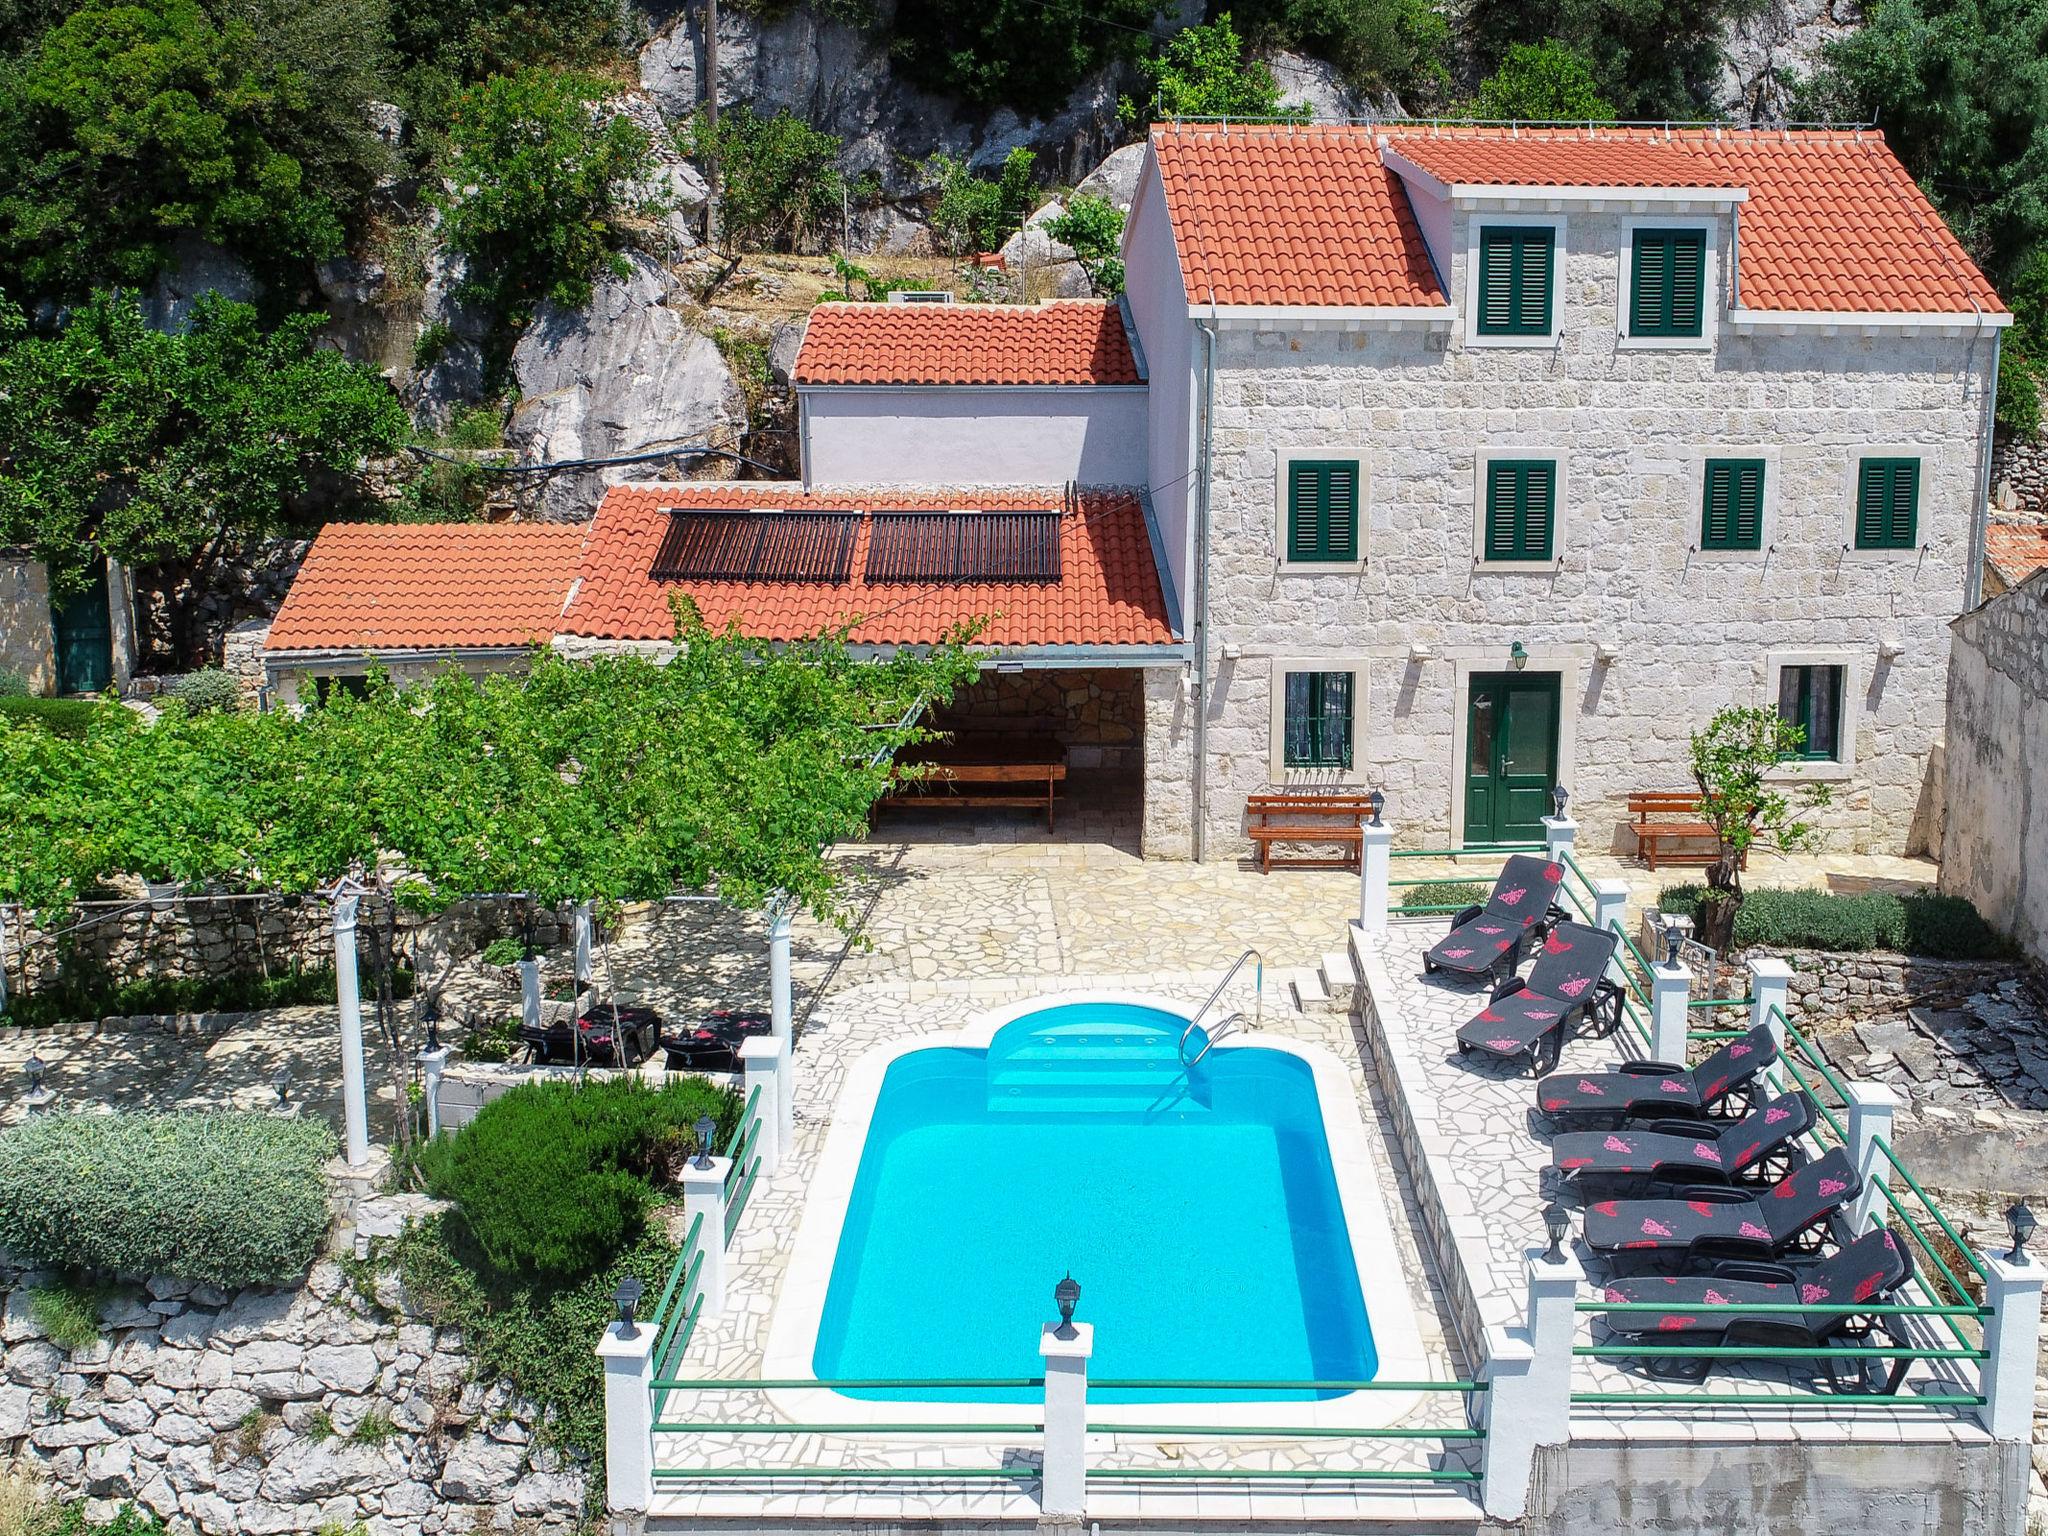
(1737, 762)
(155, 449)
(971, 213)
(1961, 89)
(542, 188)
(1380, 45)
(129, 126)
(1544, 82)
(1204, 71)
(1025, 54)
(1093, 227)
(443, 46)
(1650, 59)
(779, 182)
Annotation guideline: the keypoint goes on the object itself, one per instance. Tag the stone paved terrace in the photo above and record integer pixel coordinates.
(1485, 1170)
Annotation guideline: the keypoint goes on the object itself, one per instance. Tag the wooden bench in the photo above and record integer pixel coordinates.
(1021, 774)
(1307, 818)
(1651, 835)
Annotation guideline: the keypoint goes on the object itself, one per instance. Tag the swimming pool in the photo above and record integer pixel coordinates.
(1224, 1222)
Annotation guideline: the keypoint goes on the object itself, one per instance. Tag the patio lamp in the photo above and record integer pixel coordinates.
(35, 1068)
(2020, 1222)
(1518, 656)
(626, 1298)
(1378, 801)
(1557, 1222)
(281, 1084)
(1065, 1295)
(705, 1128)
(1557, 800)
(1674, 940)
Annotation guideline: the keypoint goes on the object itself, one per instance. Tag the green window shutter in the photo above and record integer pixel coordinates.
(1521, 509)
(1646, 295)
(1322, 510)
(1888, 504)
(1732, 516)
(1668, 288)
(1688, 283)
(1515, 281)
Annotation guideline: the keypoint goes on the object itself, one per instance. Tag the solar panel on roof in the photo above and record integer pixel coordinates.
(734, 545)
(964, 546)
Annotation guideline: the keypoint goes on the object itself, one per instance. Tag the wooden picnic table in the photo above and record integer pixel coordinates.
(984, 773)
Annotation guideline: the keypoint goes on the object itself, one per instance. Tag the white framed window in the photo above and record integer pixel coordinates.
(1728, 509)
(1668, 295)
(1885, 500)
(1519, 521)
(1512, 297)
(1321, 509)
(1317, 726)
(1822, 691)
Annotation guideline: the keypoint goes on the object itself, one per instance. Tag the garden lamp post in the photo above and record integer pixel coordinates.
(2020, 1222)
(627, 1298)
(706, 1128)
(1065, 1295)
(281, 1085)
(1378, 801)
(1557, 800)
(1557, 1223)
(1674, 940)
(39, 1097)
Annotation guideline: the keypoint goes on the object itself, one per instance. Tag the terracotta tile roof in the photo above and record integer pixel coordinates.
(1290, 215)
(385, 586)
(1108, 592)
(1077, 341)
(2016, 549)
(1279, 215)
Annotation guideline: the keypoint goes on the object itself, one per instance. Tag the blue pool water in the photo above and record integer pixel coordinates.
(1198, 1210)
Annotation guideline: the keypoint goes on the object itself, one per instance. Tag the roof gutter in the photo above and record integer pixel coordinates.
(1199, 632)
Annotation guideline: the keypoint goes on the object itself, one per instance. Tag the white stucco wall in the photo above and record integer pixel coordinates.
(1995, 834)
(960, 435)
(290, 676)
(27, 640)
(1159, 311)
(1630, 429)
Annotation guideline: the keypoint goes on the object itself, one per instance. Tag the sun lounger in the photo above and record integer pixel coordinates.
(1685, 1151)
(1488, 939)
(1658, 1090)
(1708, 1221)
(1531, 1017)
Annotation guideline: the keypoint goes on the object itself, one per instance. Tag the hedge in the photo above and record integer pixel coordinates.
(223, 1199)
(1924, 924)
(556, 1178)
(1446, 893)
(60, 717)
(93, 995)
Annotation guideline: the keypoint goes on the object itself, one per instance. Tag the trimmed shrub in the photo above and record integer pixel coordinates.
(1445, 893)
(210, 688)
(1924, 924)
(13, 685)
(556, 1178)
(223, 1199)
(503, 951)
(60, 717)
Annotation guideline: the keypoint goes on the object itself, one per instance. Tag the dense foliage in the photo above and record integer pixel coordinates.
(555, 1177)
(1093, 228)
(1382, 46)
(1544, 82)
(1018, 53)
(217, 1199)
(61, 717)
(438, 47)
(145, 446)
(1203, 71)
(83, 992)
(208, 688)
(1650, 59)
(1445, 893)
(971, 213)
(1920, 923)
(543, 185)
(779, 186)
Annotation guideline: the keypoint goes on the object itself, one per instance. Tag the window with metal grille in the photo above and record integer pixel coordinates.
(1514, 280)
(1322, 509)
(1888, 504)
(964, 546)
(1811, 698)
(728, 545)
(1521, 508)
(1317, 720)
(1668, 290)
(1733, 514)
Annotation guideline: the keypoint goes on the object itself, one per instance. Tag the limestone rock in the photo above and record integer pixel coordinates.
(196, 268)
(349, 1368)
(33, 1363)
(1318, 85)
(14, 1412)
(304, 1470)
(623, 375)
(1116, 178)
(547, 1495)
(479, 1469)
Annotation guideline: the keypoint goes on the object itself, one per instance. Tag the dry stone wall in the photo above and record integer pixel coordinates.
(2019, 475)
(1097, 716)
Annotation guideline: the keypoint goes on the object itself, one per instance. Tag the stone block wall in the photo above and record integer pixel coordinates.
(1169, 828)
(27, 640)
(1995, 838)
(2019, 475)
(1684, 633)
(1861, 986)
(1097, 715)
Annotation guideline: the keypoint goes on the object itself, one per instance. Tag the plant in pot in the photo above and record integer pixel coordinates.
(1750, 798)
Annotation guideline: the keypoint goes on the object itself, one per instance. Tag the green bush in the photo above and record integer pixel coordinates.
(1925, 924)
(779, 181)
(1446, 893)
(503, 951)
(60, 717)
(13, 685)
(209, 688)
(971, 213)
(556, 1177)
(94, 995)
(223, 1199)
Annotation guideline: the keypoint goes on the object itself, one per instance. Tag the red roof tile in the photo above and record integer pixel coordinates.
(1107, 594)
(2017, 549)
(1074, 342)
(385, 586)
(1306, 215)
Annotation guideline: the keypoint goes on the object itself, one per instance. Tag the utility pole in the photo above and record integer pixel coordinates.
(711, 123)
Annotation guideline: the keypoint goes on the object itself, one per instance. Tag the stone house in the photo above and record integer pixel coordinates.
(1488, 460)
(79, 645)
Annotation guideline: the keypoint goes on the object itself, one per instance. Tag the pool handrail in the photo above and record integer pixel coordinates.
(1194, 1020)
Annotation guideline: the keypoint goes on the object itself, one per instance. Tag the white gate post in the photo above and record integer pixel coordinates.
(433, 1062)
(1871, 1106)
(1670, 989)
(1375, 863)
(1063, 1476)
(355, 1112)
(583, 927)
(1529, 1384)
(2012, 1339)
(1610, 904)
(781, 1008)
(628, 1416)
(761, 1061)
(704, 1195)
(529, 993)
(1770, 993)
(1560, 836)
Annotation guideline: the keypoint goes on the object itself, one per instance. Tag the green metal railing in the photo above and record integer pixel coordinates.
(1488, 851)
(740, 1177)
(675, 1315)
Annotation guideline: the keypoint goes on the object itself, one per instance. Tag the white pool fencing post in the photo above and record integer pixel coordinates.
(1063, 1477)
(1871, 1107)
(1529, 1384)
(628, 1416)
(355, 1109)
(433, 1064)
(1375, 865)
(2012, 1341)
(1560, 836)
(781, 1008)
(1610, 906)
(761, 1061)
(529, 994)
(583, 930)
(1670, 990)
(704, 1195)
(1770, 995)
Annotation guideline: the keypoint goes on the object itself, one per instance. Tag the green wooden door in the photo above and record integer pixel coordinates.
(85, 638)
(1510, 756)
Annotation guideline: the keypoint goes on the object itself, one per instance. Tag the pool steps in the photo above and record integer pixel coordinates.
(1082, 1065)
